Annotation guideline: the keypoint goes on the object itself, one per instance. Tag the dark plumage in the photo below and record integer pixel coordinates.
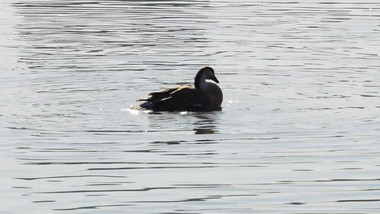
(202, 96)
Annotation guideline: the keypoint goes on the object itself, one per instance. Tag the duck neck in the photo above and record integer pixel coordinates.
(200, 82)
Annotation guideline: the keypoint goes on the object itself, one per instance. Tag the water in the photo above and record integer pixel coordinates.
(299, 131)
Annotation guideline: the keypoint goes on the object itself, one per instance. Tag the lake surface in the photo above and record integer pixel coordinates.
(299, 131)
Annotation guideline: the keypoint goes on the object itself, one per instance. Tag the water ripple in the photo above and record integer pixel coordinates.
(298, 130)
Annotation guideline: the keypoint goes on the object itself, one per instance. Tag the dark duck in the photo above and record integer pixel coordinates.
(204, 95)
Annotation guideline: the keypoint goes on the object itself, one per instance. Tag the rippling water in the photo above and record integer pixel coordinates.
(299, 131)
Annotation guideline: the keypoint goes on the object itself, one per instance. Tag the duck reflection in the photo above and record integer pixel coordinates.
(204, 131)
(197, 122)
(206, 123)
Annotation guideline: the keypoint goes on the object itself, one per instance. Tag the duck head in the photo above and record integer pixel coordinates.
(205, 73)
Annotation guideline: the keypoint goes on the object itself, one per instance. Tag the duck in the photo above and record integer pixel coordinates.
(204, 96)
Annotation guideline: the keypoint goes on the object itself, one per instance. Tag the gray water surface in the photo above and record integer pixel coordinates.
(299, 131)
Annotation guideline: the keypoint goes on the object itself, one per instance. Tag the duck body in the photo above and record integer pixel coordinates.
(202, 96)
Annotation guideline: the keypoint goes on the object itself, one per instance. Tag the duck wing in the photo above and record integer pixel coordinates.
(185, 98)
(177, 98)
(156, 97)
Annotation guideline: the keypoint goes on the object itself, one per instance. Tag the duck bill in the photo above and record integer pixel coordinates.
(215, 79)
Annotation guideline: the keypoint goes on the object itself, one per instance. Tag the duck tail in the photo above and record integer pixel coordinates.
(147, 105)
